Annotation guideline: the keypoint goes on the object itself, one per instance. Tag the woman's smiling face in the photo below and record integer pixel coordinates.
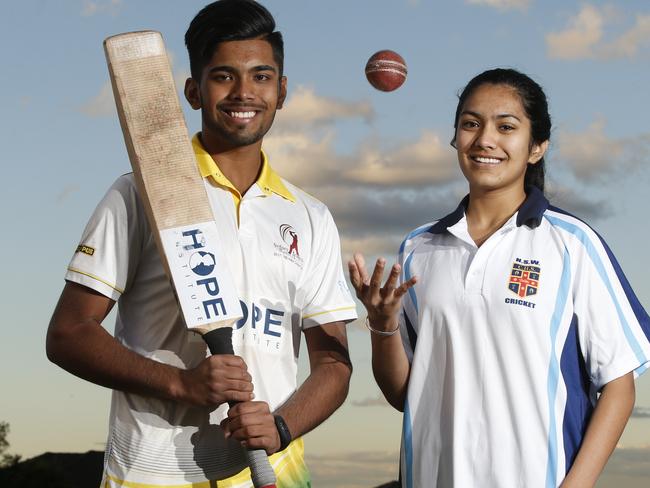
(493, 139)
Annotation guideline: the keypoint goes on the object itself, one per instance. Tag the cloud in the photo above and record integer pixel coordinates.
(309, 159)
(591, 152)
(641, 412)
(376, 222)
(428, 160)
(66, 192)
(378, 401)
(629, 44)
(578, 202)
(371, 244)
(305, 107)
(102, 104)
(593, 155)
(388, 212)
(583, 38)
(502, 4)
(110, 7)
(375, 193)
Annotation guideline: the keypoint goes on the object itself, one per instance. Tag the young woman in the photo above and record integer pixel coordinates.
(520, 337)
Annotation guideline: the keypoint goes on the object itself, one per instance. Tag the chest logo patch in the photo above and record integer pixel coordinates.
(524, 277)
(289, 250)
(290, 237)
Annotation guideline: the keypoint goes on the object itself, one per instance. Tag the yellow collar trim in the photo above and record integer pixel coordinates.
(268, 181)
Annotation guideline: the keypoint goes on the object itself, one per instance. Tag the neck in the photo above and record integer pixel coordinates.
(488, 211)
(241, 165)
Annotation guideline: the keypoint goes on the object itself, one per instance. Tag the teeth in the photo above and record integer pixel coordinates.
(242, 115)
(487, 160)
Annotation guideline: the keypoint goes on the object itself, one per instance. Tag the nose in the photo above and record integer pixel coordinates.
(242, 89)
(486, 138)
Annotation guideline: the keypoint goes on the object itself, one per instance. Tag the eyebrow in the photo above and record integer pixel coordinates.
(230, 69)
(500, 116)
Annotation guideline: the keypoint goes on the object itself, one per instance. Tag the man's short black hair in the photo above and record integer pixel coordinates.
(230, 20)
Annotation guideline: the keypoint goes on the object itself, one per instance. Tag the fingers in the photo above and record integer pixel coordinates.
(357, 270)
(404, 287)
(392, 279)
(382, 303)
(229, 379)
(253, 425)
(377, 275)
(217, 379)
(355, 276)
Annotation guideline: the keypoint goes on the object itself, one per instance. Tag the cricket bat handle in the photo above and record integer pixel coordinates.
(219, 341)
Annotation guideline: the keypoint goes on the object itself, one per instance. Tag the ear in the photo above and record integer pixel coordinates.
(192, 93)
(283, 92)
(537, 152)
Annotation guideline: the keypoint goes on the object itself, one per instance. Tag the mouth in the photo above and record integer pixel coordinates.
(241, 115)
(486, 160)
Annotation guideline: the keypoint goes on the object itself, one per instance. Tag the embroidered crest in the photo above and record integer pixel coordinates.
(524, 277)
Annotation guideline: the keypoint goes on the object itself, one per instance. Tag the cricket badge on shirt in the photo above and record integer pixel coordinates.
(524, 281)
(289, 249)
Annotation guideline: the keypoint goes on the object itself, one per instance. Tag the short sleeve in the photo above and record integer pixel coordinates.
(408, 317)
(614, 328)
(328, 297)
(105, 257)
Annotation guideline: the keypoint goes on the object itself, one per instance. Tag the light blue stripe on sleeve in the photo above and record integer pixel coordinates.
(582, 236)
(408, 445)
(554, 371)
(407, 276)
(420, 230)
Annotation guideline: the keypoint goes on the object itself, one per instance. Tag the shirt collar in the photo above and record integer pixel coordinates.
(530, 212)
(268, 181)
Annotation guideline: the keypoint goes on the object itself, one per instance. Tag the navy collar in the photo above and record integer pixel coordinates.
(530, 212)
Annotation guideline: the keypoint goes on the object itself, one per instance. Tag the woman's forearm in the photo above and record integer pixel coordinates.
(605, 428)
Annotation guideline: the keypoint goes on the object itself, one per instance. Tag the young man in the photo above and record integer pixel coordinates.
(170, 424)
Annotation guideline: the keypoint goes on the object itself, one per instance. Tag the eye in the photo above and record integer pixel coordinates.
(469, 124)
(507, 127)
(221, 77)
(262, 77)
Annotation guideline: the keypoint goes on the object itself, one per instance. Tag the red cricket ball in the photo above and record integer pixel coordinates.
(386, 70)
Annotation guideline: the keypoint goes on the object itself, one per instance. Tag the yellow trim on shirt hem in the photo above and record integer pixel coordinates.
(328, 311)
(131, 484)
(295, 450)
(96, 278)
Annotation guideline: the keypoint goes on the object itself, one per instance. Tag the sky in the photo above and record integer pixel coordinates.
(381, 161)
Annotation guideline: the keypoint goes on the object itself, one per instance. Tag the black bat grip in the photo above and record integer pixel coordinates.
(219, 341)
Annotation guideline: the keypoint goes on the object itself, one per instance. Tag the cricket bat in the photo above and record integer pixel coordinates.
(174, 197)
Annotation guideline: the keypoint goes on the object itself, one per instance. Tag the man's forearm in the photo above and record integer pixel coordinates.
(317, 398)
(88, 351)
(326, 387)
(78, 343)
